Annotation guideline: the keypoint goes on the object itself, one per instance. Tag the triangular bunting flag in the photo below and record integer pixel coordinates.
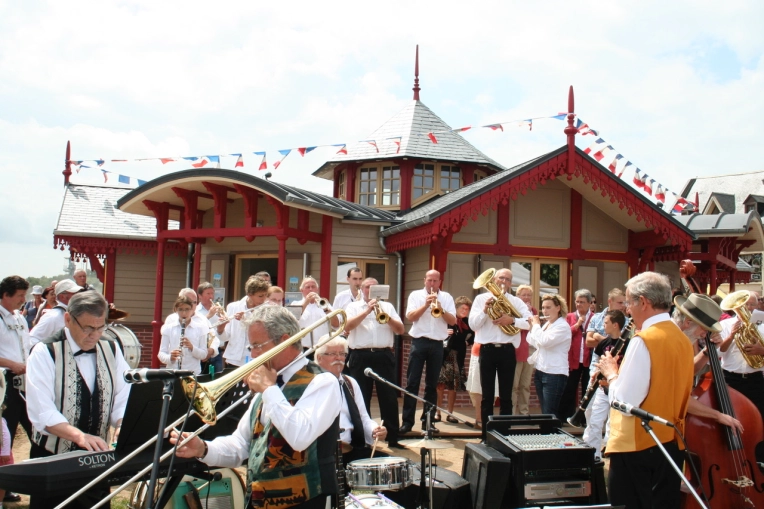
(305, 150)
(495, 127)
(432, 138)
(639, 179)
(649, 186)
(239, 162)
(166, 160)
(373, 143)
(343, 148)
(597, 143)
(100, 162)
(628, 163)
(461, 129)
(660, 194)
(123, 179)
(600, 154)
(263, 162)
(614, 164)
(284, 153)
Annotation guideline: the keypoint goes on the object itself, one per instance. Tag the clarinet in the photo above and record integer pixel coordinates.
(180, 341)
(340, 476)
(577, 419)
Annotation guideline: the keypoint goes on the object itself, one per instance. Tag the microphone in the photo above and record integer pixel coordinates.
(145, 375)
(371, 374)
(638, 412)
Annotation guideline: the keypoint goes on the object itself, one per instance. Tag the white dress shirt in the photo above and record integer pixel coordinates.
(633, 380)
(732, 359)
(343, 299)
(236, 352)
(196, 331)
(201, 311)
(300, 425)
(309, 316)
(14, 336)
(428, 326)
(370, 333)
(346, 422)
(50, 323)
(553, 343)
(41, 392)
(485, 330)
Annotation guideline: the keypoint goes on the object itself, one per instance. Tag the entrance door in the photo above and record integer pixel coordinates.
(544, 275)
(249, 265)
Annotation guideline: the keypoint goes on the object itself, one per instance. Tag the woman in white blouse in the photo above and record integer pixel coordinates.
(553, 342)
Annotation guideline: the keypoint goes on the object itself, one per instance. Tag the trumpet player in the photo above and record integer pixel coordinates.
(372, 346)
(431, 311)
(497, 349)
(235, 332)
(313, 309)
(353, 293)
(214, 313)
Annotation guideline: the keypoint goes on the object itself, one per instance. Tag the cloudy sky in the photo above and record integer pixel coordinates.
(676, 87)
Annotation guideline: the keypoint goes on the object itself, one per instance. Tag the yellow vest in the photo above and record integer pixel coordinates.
(671, 371)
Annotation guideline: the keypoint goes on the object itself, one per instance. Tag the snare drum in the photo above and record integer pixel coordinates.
(371, 501)
(131, 347)
(380, 473)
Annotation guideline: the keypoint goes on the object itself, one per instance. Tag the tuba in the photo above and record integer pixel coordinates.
(748, 333)
(501, 305)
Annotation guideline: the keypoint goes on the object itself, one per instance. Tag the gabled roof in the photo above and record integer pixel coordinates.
(411, 125)
(91, 211)
(159, 189)
(725, 202)
(739, 185)
(754, 198)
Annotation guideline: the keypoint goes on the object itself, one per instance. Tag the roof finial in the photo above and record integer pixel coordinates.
(416, 75)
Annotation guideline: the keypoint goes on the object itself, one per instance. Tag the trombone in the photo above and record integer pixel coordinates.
(203, 398)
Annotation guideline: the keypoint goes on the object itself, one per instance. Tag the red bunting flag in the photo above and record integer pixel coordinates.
(432, 138)
(239, 162)
(201, 163)
(343, 148)
(284, 153)
(166, 160)
(614, 163)
(263, 163)
(597, 143)
(462, 129)
(373, 143)
(305, 150)
(660, 194)
(649, 186)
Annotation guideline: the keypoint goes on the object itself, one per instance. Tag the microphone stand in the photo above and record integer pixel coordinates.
(425, 495)
(649, 430)
(167, 391)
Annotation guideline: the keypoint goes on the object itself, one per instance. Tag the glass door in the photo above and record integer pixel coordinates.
(545, 276)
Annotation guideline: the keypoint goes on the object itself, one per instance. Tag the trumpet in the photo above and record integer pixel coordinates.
(748, 333)
(381, 316)
(206, 391)
(323, 304)
(435, 310)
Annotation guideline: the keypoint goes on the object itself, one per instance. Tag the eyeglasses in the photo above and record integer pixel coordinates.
(335, 354)
(89, 330)
(258, 346)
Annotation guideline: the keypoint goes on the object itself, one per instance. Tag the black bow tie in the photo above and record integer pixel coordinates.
(280, 381)
(93, 350)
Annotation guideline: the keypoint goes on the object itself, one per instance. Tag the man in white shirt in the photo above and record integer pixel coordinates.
(78, 415)
(343, 299)
(208, 308)
(427, 336)
(312, 312)
(497, 349)
(235, 332)
(358, 431)
(52, 320)
(289, 434)
(14, 350)
(372, 346)
(737, 373)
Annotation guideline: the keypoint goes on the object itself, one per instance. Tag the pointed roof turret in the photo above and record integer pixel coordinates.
(416, 75)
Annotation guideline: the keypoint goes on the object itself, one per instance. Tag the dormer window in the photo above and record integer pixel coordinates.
(379, 186)
(434, 179)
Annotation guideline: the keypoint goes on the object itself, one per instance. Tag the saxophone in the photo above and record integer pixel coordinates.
(748, 333)
(501, 305)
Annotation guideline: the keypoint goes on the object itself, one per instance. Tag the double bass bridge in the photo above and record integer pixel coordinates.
(741, 482)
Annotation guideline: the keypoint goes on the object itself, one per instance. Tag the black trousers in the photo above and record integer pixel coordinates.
(496, 358)
(569, 400)
(429, 352)
(381, 361)
(751, 386)
(15, 412)
(633, 473)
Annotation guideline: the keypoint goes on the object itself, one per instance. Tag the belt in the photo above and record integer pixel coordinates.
(372, 349)
(496, 345)
(430, 339)
(755, 374)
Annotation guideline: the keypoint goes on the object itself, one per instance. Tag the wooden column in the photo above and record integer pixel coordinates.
(197, 276)
(156, 324)
(327, 227)
(110, 267)
(282, 259)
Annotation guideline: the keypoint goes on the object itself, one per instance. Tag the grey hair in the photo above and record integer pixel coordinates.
(91, 303)
(654, 287)
(678, 317)
(276, 320)
(185, 291)
(338, 341)
(586, 294)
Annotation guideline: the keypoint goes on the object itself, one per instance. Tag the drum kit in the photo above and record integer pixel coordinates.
(387, 474)
(128, 341)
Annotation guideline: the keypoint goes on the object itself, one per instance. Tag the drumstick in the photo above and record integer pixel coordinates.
(376, 440)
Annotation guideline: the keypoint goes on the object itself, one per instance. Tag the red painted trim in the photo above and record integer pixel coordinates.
(570, 133)
(576, 220)
(197, 274)
(282, 259)
(468, 174)
(250, 197)
(265, 231)
(111, 271)
(407, 174)
(537, 252)
(84, 246)
(67, 165)
(156, 324)
(351, 171)
(327, 228)
(220, 195)
(161, 213)
(96, 265)
(303, 225)
(282, 213)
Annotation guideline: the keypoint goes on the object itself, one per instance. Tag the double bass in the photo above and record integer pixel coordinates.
(724, 458)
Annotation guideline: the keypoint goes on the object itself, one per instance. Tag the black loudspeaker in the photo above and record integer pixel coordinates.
(488, 473)
(450, 491)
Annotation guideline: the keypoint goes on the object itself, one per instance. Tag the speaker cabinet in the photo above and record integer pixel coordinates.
(488, 473)
(448, 492)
